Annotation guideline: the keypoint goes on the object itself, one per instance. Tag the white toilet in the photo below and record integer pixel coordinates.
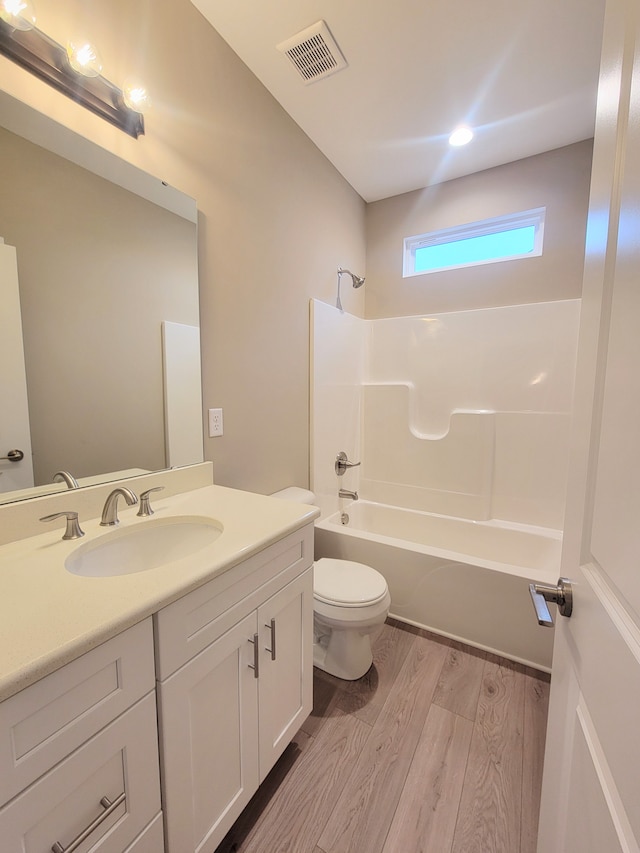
(350, 603)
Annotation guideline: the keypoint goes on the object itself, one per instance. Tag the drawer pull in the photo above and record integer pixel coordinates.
(272, 628)
(255, 666)
(108, 807)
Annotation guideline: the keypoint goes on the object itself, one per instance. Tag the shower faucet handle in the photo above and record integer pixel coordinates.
(342, 463)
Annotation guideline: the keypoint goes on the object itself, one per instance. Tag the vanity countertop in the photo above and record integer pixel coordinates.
(49, 616)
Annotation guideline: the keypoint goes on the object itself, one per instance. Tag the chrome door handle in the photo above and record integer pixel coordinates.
(342, 463)
(108, 807)
(272, 627)
(561, 594)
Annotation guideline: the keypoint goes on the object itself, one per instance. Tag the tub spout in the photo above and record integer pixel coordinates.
(345, 493)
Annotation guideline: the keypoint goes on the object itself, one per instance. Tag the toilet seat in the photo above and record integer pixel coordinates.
(344, 583)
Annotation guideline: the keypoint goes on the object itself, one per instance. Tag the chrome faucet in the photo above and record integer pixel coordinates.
(110, 511)
(66, 477)
(345, 493)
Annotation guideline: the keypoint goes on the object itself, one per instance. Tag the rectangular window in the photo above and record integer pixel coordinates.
(505, 238)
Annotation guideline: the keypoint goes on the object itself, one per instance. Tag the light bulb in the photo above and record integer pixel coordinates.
(84, 58)
(19, 14)
(461, 136)
(136, 96)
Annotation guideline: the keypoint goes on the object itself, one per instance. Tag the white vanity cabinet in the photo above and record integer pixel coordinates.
(79, 755)
(234, 664)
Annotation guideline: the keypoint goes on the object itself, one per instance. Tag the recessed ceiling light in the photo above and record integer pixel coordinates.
(461, 136)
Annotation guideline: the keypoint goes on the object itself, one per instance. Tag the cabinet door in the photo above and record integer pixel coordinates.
(286, 668)
(209, 746)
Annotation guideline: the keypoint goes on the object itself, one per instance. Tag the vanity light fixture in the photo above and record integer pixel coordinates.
(84, 58)
(75, 71)
(136, 96)
(18, 13)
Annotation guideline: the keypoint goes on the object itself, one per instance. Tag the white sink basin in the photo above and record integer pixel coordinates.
(147, 545)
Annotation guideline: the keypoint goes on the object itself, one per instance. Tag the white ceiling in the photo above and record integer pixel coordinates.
(522, 73)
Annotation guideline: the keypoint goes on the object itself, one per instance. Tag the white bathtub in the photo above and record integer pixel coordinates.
(464, 579)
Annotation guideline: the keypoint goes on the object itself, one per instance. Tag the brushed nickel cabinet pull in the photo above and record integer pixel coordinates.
(255, 666)
(272, 627)
(109, 807)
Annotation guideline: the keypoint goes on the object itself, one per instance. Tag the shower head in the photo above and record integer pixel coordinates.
(357, 280)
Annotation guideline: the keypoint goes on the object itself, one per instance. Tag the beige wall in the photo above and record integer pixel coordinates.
(275, 218)
(558, 180)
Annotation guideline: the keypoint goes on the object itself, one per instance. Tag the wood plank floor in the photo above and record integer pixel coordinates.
(438, 749)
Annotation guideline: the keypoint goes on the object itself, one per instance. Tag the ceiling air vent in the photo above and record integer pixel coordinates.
(314, 53)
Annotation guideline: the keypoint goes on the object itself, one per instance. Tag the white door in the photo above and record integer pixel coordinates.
(591, 784)
(14, 413)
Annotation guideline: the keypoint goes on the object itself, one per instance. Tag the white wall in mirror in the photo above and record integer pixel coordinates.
(100, 269)
(182, 394)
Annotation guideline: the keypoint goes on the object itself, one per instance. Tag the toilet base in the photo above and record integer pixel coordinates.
(345, 654)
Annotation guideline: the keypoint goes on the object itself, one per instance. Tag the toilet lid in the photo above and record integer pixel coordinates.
(346, 583)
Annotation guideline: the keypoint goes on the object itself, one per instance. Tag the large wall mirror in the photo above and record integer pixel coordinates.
(102, 271)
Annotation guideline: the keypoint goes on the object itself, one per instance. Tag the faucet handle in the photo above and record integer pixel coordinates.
(145, 503)
(342, 463)
(73, 529)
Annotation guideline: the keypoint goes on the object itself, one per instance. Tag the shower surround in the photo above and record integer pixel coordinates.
(464, 415)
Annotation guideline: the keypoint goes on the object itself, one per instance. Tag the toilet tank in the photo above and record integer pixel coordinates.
(296, 495)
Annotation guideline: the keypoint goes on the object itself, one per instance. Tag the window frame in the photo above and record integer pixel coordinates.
(484, 227)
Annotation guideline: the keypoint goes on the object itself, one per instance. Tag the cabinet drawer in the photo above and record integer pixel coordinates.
(187, 626)
(122, 758)
(45, 722)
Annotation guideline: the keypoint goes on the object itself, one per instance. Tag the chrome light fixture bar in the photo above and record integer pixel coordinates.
(36, 52)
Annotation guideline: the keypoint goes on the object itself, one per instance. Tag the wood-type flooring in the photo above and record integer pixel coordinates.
(438, 749)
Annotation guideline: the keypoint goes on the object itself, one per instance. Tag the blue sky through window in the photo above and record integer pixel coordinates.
(474, 250)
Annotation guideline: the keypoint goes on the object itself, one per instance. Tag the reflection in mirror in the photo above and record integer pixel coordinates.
(100, 270)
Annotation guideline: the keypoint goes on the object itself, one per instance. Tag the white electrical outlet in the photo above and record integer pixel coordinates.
(215, 422)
